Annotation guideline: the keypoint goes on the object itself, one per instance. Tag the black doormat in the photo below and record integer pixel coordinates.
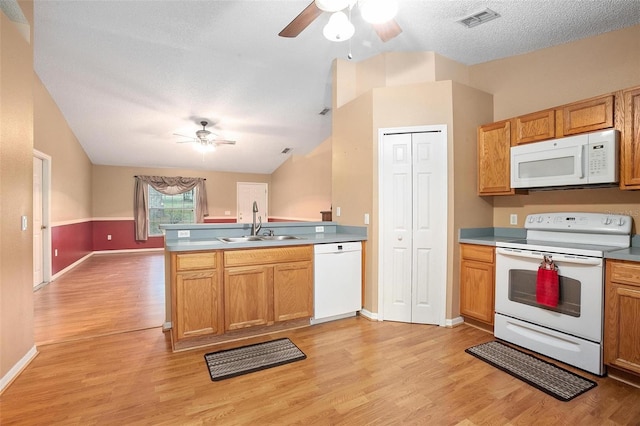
(247, 359)
(549, 378)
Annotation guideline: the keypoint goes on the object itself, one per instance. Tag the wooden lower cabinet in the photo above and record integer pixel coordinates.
(267, 286)
(292, 291)
(477, 282)
(622, 316)
(196, 294)
(247, 294)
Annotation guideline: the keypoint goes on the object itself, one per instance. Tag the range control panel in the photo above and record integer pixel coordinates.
(597, 223)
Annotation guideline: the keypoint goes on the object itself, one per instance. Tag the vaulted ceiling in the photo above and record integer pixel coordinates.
(127, 75)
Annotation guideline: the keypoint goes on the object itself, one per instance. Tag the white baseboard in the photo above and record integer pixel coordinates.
(128, 250)
(454, 322)
(17, 368)
(70, 267)
(373, 316)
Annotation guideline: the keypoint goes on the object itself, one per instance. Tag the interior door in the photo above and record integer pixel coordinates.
(38, 228)
(414, 224)
(248, 192)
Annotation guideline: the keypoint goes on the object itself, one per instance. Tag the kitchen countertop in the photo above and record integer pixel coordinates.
(205, 236)
(493, 236)
(490, 236)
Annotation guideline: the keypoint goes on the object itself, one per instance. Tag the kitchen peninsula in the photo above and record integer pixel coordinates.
(222, 283)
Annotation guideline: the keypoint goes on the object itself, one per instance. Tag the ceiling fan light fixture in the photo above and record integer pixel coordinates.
(338, 28)
(205, 147)
(378, 11)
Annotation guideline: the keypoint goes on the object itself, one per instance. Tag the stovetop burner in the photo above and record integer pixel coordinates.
(584, 234)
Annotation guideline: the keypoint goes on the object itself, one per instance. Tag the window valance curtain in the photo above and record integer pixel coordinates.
(169, 186)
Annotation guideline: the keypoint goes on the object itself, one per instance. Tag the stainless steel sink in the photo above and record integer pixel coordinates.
(280, 237)
(249, 238)
(240, 239)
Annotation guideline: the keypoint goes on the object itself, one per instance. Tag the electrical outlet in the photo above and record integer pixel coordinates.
(513, 219)
(55, 252)
(109, 237)
(184, 234)
(366, 218)
(227, 212)
(337, 211)
(319, 228)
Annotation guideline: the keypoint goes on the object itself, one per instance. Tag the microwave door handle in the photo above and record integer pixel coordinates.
(581, 160)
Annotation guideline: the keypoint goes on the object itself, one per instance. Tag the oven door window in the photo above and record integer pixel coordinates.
(522, 289)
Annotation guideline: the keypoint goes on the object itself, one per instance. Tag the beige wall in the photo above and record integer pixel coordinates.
(70, 166)
(555, 76)
(471, 107)
(16, 189)
(301, 186)
(113, 189)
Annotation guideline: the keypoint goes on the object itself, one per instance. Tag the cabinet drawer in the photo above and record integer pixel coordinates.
(267, 255)
(194, 261)
(625, 273)
(478, 253)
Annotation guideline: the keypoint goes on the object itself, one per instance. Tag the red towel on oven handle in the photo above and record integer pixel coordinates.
(547, 287)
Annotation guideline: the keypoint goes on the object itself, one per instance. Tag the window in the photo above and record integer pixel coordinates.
(165, 209)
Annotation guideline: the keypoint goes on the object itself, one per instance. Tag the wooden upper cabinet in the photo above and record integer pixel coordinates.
(585, 116)
(494, 164)
(535, 127)
(630, 145)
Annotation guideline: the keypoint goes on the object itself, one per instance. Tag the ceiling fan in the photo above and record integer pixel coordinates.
(205, 138)
(377, 12)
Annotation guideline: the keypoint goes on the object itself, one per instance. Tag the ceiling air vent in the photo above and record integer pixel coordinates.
(479, 18)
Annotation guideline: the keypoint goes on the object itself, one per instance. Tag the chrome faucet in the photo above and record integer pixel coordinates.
(255, 228)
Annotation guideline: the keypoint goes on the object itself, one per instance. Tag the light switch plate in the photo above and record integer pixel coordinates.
(319, 228)
(513, 219)
(184, 234)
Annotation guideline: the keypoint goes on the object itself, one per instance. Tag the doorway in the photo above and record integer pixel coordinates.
(247, 193)
(413, 224)
(40, 221)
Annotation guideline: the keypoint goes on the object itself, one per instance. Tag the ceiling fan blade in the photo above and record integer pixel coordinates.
(183, 136)
(191, 141)
(302, 21)
(387, 30)
(223, 142)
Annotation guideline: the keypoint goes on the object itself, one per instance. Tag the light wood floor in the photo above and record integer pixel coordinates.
(356, 372)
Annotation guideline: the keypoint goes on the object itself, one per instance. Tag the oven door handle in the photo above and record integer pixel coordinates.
(556, 257)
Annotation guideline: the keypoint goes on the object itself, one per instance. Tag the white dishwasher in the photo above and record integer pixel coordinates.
(337, 281)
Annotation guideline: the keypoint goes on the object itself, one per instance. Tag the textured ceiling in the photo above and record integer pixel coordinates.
(129, 74)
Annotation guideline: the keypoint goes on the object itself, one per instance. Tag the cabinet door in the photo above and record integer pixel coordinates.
(247, 293)
(292, 290)
(494, 161)
(535, 127)
(622, 316)
(477, 290)
(587, 116)
(630, 148)
(197, 304)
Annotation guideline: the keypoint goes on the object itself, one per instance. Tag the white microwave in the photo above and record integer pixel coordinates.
(587, 159)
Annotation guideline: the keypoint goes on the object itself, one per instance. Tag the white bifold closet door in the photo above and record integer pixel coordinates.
(414, 226)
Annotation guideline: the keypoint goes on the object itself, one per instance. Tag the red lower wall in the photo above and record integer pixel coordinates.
(122, 236)
(72, 243)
